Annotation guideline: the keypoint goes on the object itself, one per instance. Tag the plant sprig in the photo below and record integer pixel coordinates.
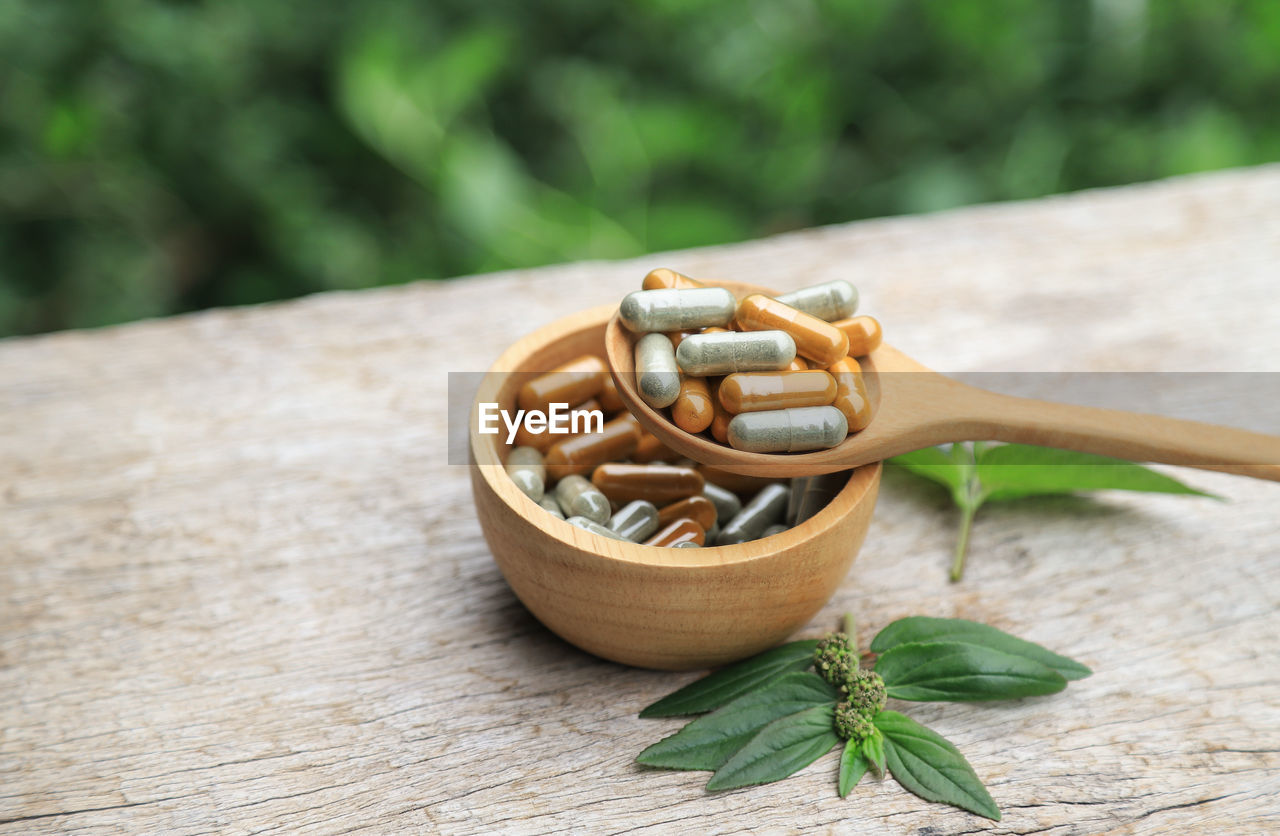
(979, 473)
(769, 716)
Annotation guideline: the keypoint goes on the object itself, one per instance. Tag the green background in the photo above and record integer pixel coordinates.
(158, 157)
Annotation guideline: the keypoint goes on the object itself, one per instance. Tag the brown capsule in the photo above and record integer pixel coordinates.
(650, 449)
(697, 508)
(692, 410)
(851, 393)
(816, 340)
(798, 364)
(743, 485)
(610, 400)
(572, 383)
(664, 278)
(660, 484)
(758, 391)
(720, 420)
(543, 440)
(677, 337)
(683, 530)
(714, 329)
(864, 334)
(578, 455)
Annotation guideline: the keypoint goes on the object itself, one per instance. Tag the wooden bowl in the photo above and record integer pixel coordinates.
(672, 609)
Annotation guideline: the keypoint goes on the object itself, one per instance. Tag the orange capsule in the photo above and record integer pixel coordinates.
(679, 531)
(660, 484)
(758, 391)
(578, 417)
(578, 455)
(714, 329)
(720, 420)
(697, 508)
(677, 337)
(650, 449)
(798, 364)
(692, 410)
(816, 340)
(664, 278)
(864, 334)
(851, 393)
(744, 485)
(572, 383)
(610, 400)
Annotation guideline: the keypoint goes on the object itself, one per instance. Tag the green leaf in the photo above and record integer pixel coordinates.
(873, 750)
(958, 672)
(710, 740)
(1010, 471)
(782, 748)
(919, 628)
(933, 464)
(926, 764)
(853, 765)
(726, 684)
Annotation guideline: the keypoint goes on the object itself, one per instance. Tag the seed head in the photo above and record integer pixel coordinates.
(852, 724)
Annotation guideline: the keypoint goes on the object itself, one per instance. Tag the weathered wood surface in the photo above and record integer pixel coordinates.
(243, 592)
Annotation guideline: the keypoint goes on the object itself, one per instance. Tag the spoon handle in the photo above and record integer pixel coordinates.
(980, 414)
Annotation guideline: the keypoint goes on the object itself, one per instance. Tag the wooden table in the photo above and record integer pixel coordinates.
(243, 591)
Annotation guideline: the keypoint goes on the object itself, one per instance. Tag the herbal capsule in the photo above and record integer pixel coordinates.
(664, 278)
(683, 530)
(594, 527)
(788, 430)
(829, 300)
(851, 393)
(864, 334)
(524, 466)
(580, 498)
(776, 528)
(765, 508)
(650, 450)
(579, 417)
(686, 544)
(759, 391)
(697, 508)
(721, 417)
(797, 495)
(726, 501)
(657, 377)
(799, 364)
(736, 482)
(610, 400)
(552, 507)
(730, 351)
(818, 493)
(676, 310)
(713, 532)
(815, 340)
(678, 337)
(572, 383)
(692, 411)
(635, 521)
(616, 440)
(660, 484)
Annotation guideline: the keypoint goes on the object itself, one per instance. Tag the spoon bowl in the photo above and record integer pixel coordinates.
(914, 407)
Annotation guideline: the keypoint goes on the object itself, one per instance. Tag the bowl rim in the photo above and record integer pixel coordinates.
(487, 459)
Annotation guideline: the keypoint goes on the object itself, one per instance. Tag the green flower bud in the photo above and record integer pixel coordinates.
(852, 724)
(835, 658)
(865, 692)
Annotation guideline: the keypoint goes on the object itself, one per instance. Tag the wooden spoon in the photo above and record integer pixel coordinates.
(915, 407)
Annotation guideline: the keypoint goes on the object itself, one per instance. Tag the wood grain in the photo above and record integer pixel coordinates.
(244, 592)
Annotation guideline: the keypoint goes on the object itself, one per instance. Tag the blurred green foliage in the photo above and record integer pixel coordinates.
(160, 156)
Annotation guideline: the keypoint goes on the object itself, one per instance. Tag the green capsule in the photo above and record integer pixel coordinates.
(776, 528)
(818, 493)
(726, 352)
(657, 376)
(579, 498)
(549, 502)
(671, 309)
(635, 521)
(726, 501)
(524, 466)
(829, 300)
(594, 527)
(765, 508)
(686, 544)
(788, 430)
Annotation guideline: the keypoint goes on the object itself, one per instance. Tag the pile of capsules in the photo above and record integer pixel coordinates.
(623, 483)
(766, 375)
